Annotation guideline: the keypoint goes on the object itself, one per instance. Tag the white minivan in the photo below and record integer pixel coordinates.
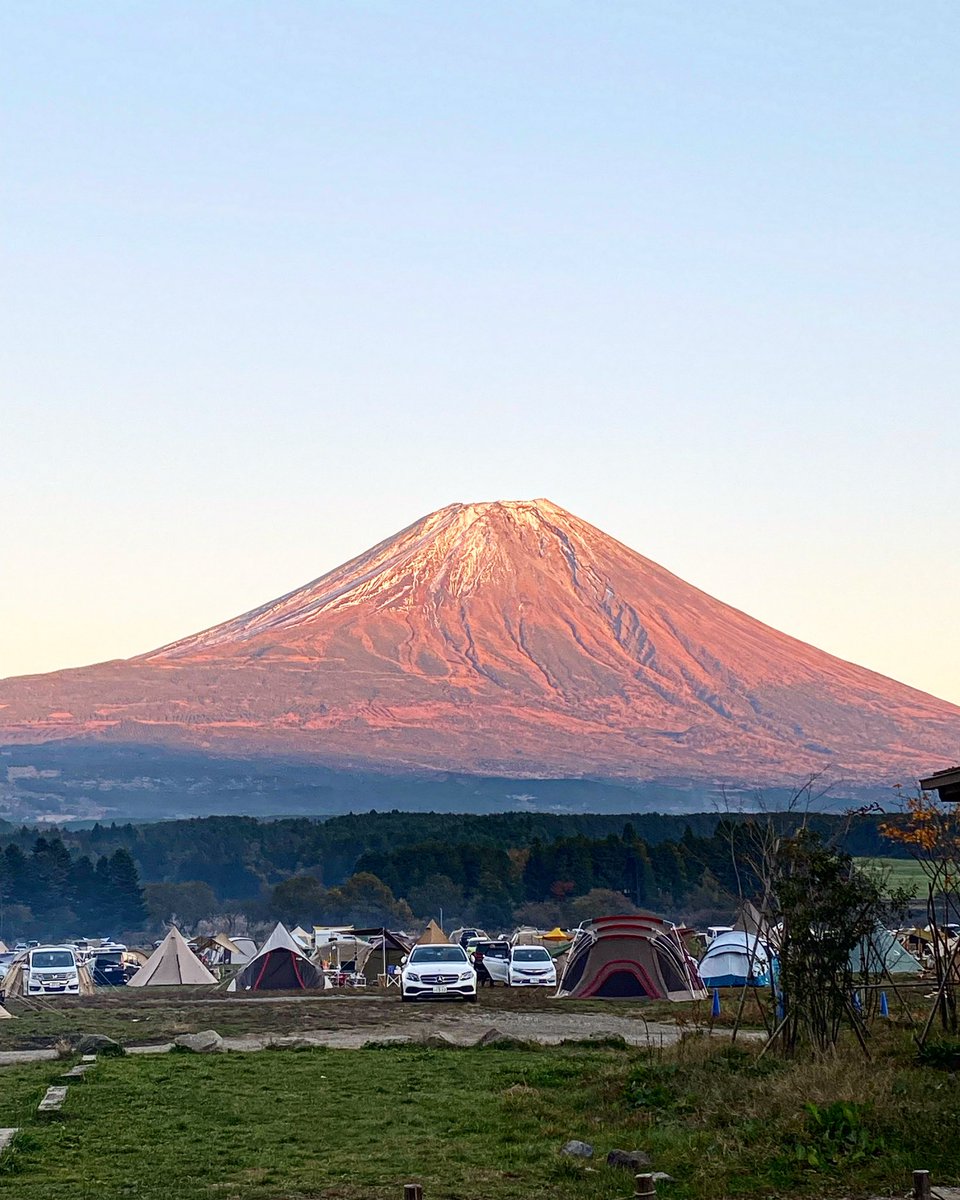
(531, 966)
(51, 970)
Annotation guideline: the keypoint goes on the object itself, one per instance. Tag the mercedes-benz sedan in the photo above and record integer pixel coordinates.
(438, 973)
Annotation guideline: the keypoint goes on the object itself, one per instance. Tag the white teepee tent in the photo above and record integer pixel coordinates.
(171, 963)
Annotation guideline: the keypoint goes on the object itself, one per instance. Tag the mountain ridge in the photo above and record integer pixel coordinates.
(511, 638)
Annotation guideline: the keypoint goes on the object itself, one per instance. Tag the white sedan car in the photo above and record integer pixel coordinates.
(531, 966)
(438, 973)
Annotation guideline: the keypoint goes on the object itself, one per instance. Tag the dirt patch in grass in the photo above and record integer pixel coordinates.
(154, 1017)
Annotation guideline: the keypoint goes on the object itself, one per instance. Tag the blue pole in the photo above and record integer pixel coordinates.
(884, 1007)
(715, 1009)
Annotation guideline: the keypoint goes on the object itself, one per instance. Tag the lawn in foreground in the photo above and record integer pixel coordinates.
(481, 1124)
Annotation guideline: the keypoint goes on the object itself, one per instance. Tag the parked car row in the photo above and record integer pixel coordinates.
(34, 970)
(447, 972)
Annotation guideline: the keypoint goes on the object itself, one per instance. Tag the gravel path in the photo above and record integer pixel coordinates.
(463, 1026)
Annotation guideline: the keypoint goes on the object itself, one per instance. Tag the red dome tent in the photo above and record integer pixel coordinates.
(628, 957)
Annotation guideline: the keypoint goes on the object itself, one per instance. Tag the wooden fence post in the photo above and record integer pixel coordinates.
(921, 1185)
(647, 1188)
(414, 1191)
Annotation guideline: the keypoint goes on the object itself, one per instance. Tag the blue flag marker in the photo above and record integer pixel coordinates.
(715, 1010)
(856, 1002)
(884, 1007)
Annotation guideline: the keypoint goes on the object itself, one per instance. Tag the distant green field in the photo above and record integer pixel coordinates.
(902, 872)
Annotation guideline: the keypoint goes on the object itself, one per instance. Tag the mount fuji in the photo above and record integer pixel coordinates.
(506, 639)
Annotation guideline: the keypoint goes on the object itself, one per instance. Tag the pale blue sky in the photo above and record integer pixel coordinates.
(279, 278)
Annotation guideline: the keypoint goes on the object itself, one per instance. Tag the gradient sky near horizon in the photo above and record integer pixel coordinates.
(279, 278)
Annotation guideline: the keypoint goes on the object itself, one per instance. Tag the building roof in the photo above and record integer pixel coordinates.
(945, 783)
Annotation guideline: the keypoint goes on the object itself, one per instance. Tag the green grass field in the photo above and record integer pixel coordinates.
(902, 872)
(479, 1124)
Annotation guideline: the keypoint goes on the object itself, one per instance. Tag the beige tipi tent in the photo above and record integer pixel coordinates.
(171, 963)
(303, 939)
(433, 935)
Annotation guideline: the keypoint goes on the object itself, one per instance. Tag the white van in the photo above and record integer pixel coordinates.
(531, 966)
(51, 970)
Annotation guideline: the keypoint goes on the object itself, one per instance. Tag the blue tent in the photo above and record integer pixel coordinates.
(881, 952)
(735, 959)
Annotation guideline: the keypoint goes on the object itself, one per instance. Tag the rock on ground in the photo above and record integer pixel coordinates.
(491, 1036)
(208, 1041)
(98, 1043)
(631, 1160)
(578, 1149)
(438, 1040)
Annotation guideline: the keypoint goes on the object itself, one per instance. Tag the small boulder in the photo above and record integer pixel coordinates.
(630, 1160)
(578, 1149)
(208, 1041)
(491, 1036)
(98, 1043)
(662, 1177)
(438, 1041)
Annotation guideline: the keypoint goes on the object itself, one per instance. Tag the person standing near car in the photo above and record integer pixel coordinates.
(483, 975)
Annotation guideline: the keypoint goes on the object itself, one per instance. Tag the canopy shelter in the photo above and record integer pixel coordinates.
(735, 959)
(433, 935)
(218, 950)
(629, 956)
(347, 952)
(173, 962)
(882, 954)
(279, 965)
(247, 948)
(525, 935)
(387, 949)
(556, 941)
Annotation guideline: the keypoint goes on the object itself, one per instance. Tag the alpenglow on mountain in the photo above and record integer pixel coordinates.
(508, 639)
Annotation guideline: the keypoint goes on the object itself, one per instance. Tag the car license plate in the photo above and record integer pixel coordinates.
(440, 988)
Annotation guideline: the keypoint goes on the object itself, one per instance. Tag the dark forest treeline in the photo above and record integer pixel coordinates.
(490, 869)
(49, 891)
(238, 856)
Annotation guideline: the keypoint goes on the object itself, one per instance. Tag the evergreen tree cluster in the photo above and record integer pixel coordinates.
(49, 893)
